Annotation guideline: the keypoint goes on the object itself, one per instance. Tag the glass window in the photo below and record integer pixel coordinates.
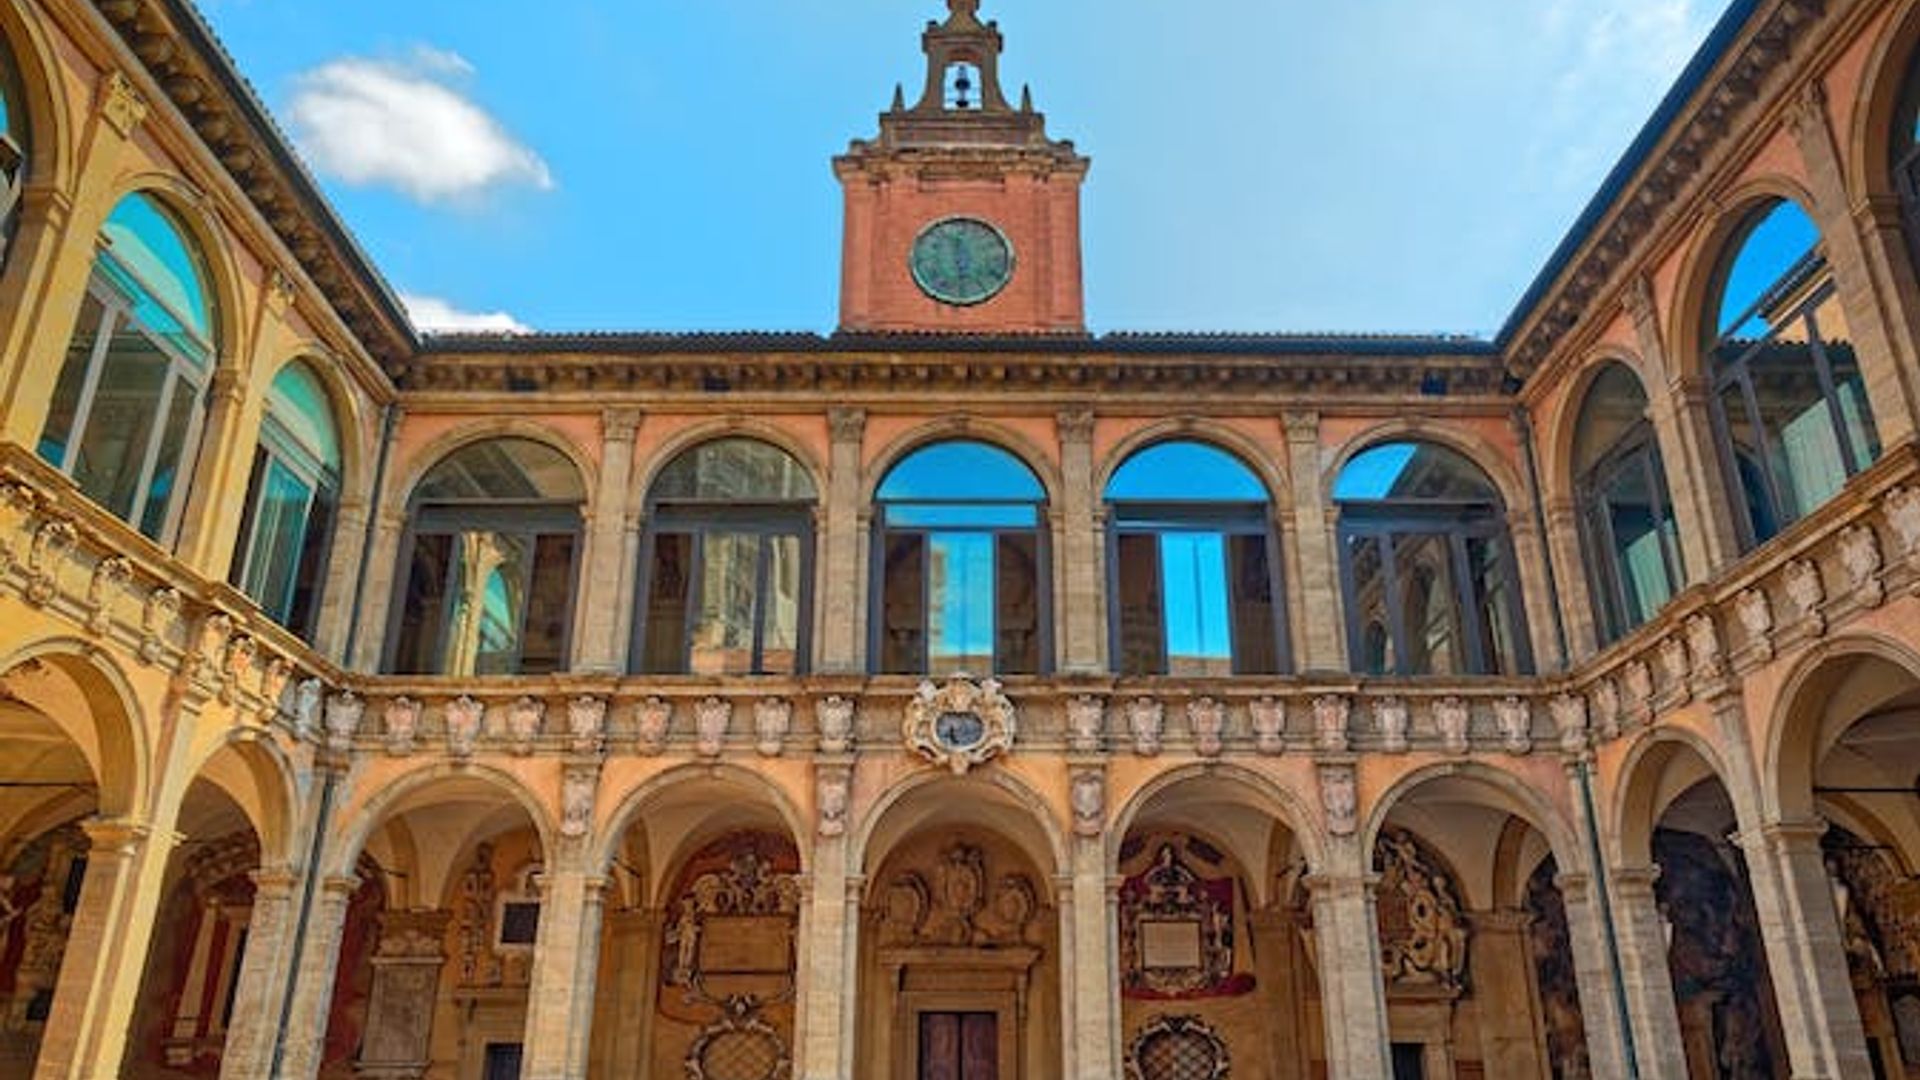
(961, 558)
(1426, 566)
(291, 500)
(493, 533)
(126, 411)
(1193, 570)
(13, 147)
(1906, 153)
(1627, 530)
(727, 577)
(1790, 408)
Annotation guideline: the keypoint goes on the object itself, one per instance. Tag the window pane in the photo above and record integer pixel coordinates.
(1639, 561)
(724, 616)
(977, 516)
(150, 253)
(1836, 343)
(119, 424)
(903, 615)
(64, 410)
(1194, 582)
(1408, 470)
(1374, 635)
(424, 606)
(728, 470)
(279, 529)
(298, 401)
(1256, 650)
(1430, 602)
(1137, 570)
(502, 469)
(487, 604)
(310, 574)
(1017, 605)
(960, 470)
(960, 596)
(1184, 472)
(171, 459)
(1806, 462)
(549, 605)
(780, 616)
(1493, 592)
(667, 582)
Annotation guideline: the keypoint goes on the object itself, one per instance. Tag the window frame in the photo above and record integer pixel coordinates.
(1637, 446)
(698, 519)
(1225, 517)
(1905, 155)
(278, 445)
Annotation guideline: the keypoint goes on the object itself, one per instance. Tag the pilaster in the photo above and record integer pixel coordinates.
(1645, 976)
(304, 1040)
(830, 927)
(1320, 643)
(1080, 595)
(248, 1053)
(1352, 993)
(600, 638)
(1593, 976)
(842, 610)
(565, 961)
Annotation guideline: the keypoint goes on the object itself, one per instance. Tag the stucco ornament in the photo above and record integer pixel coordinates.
(523, 723)
(1269, 718)
(1390, 723)
(109, 584)
(235, 665)
(1703, 640)
(402, 717)
(306, 706)
(771, 719)
(1903, 515)
(711, 718)
(1570, 719)
(1086, 718)
(1755, 613)
(17, 504)
(1199, 1049)
(1805, 591)
(344, 710)
(1207, 719)
(651, 719)
(157, 617)
(577, 788)
(1452, 715)
(1423, 932)
(587, 723)
(1639, 682)
(833, 788)
(465, 716)
(834, 716)
(1514, 717)
(46, 557)
(210, 636)
(1860, 554)
(1330, 723)
(274, 676)
(1339, 799)
(1675, 665)
(1089, 797)
(1606, 708)
(960, 724)
(1145, 718)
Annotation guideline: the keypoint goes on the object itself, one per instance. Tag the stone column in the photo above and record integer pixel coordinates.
(1090, 1010)
(1578, 608)
(1319, 641)
(630, 971)
(842, 616)
(1642, 935)
(566, 958)
(1511, 1032)
(380, 569)
(1277, 972)
(1352, 993)
(1593, 976)
(830, 929)
(106, 951)
(1080, 604)
(248, 1053)
(210, 519)
(1806, 954)
(606, 613)
(304, 1041)
(398, 1042)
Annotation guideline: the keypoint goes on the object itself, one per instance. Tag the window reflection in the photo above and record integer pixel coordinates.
(1427, 566)
(488, 590)
(1193, 582)
(290, 502)
(1627, 532)
(959, 545)
(1789, 403)
(13, 147)
(1906, 154)
(727, 582)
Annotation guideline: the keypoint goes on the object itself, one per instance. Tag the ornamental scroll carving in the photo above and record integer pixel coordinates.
(1178, 1048)
(950, 904)
(728, 944)
(1423, 934)
(1177, 928)
(960, 724)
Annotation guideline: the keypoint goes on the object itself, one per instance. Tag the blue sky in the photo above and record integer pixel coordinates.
(1375, 165)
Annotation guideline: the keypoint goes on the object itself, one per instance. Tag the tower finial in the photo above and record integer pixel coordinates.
(963, 7)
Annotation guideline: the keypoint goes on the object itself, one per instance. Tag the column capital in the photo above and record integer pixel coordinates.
(846, 424)
(123, 836)
(621, 425)
(1302, 425)
(1337, 886)
(1798, 834)
(1634, 881)
(274, 882)
(340, 886)
(1076, 426)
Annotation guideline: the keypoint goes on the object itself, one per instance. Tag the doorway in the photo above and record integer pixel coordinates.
(959, 1046)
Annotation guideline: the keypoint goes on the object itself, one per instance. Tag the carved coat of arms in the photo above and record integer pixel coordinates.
(960, 724)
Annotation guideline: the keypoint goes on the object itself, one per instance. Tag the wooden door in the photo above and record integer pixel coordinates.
(959, 1046)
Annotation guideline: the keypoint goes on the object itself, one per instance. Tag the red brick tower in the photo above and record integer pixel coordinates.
(962, 215)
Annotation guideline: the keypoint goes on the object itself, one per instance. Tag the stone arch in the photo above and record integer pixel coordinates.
(344, 403)
(1795, 726)
(49, 110)
(1704, 257)
(1044, 467)
(257, 775)
(191, 210)
(422, 461)
(1557, 465)
(114, 738)
(664, 786)
(1021, 815)
(735, 427)
(1470, 445)
(1866, 154)
(1257, 457)
(1262, 792)
(394, 796)
(1639, 797)
(1493, 788)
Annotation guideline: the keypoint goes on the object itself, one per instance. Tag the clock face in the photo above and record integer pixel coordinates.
(959, 730)
(961, 261)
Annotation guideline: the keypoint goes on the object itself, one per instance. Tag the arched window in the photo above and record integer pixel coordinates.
(1193, 567)
(960, 553)
(1790, 410)
(488, 557)
(1627, 529)
(13, 147)
(1426, 566)
(126, 411)
(290, 500)
(1906, 153)
(727, 563)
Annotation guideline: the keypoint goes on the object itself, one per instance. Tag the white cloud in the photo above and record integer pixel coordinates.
(403, 124)
(432, 315)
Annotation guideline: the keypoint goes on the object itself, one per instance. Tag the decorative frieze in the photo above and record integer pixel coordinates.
(343, 710)
(579, 783)
(111, 577)
(1390, 723)
(1339, 798)
(1086, 722)
(652, 719)
(465, 718)
(47, 556)
(1805, 593)
(1330, 724)
(772, 717)
(402, 720)
(157, 618)
(524, 716)
(1755, 613)
(1207, 720)
(1570, 720)
(712, 716)
(833, 793)
(1145, 718)
(1089, 800)
(1513, 716)
(1268, 716)
(1860, 558)
(834, 718)
(1604, 699)
(587, 724)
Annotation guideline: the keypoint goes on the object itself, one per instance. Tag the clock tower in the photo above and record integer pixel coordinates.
(962, 216)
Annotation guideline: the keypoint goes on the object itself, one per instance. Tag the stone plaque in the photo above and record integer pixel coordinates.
(1169, 944)
(744, 945)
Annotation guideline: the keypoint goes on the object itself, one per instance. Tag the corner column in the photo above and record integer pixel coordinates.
(1277, 967)
(842, 613)
(1089, 938)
